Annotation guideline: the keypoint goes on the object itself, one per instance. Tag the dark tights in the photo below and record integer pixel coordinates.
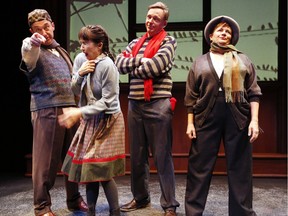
(111, 193)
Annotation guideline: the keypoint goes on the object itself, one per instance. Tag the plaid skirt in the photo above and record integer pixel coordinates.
(97, 151)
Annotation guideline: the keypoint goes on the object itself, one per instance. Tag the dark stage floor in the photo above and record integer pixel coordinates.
(270, 197)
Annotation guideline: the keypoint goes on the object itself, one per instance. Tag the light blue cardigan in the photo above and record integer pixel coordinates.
(98, 91)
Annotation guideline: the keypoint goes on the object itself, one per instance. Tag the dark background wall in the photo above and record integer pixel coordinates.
(16, 132)
(16, 139)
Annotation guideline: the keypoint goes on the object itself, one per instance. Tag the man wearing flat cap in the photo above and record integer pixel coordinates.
(222, 100)
(48, 68)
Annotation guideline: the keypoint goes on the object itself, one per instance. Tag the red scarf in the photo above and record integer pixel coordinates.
(151, 49)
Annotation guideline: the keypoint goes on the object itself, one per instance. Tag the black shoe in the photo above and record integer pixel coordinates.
(133, 205)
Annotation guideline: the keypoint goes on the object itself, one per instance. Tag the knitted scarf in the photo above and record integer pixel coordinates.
(234, 72)
(151, 49)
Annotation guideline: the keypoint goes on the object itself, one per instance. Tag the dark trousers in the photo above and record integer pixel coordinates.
(220, 125)
(50, 145)
(150, 127)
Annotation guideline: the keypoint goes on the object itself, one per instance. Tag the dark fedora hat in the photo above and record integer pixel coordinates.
(216, 20)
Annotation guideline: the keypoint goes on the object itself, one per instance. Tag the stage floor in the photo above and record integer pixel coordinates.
(269, 194)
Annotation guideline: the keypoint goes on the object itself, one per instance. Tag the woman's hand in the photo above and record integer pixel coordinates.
(87, 67)
(191, 132)
(253, 130)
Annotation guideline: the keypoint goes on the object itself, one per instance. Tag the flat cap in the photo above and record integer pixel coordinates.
(38, 15)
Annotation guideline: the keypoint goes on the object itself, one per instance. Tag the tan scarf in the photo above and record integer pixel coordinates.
(151, 49)
(234, 72)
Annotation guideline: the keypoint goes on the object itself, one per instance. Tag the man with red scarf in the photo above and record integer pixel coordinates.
(148, 61)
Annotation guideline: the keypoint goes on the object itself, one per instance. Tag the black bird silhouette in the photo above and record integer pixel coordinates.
(262, 27)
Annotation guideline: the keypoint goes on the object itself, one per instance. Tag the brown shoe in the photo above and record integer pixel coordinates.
(48, 214)
(82, 206)
(133, 205)
(170, 212)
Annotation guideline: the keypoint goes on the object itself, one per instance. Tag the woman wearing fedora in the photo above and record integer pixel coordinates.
(222, 99)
